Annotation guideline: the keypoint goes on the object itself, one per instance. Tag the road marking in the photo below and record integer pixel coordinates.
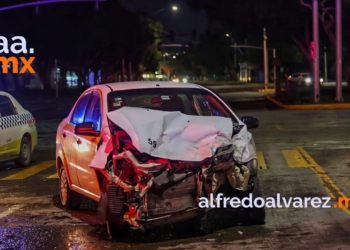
(10, 210)
(300, 158)
(54, 176)
(295, 159)
(261, 160)
(30, 171)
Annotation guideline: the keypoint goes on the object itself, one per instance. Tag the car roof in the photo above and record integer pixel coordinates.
(114, 86)
(5, 93)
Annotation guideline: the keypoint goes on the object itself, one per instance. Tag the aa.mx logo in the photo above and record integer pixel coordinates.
(20, 64)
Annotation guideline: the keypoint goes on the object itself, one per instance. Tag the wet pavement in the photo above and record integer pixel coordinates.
(31, 216)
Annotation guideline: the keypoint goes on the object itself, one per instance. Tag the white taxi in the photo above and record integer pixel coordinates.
(18, 134)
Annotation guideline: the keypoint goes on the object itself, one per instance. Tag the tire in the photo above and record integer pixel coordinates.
(25, 153)
(256, 214)
(69, 199)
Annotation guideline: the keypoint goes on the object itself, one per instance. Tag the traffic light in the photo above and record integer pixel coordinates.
(159, 46)
(313, 50)
(172, 35)
(194, 35)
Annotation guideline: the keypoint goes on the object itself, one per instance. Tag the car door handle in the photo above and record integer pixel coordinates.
(78, 141)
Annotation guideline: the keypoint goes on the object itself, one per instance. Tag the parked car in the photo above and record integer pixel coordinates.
(302, 79)
(18, 134)
(149, 151)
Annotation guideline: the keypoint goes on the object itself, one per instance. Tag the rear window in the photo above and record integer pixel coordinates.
(187, 100)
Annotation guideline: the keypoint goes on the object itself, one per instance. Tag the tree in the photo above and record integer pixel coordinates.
(285, 21)
(83, 39)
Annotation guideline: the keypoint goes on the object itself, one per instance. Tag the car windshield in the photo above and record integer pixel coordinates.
(189, 101)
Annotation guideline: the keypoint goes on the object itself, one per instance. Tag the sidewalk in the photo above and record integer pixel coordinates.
(273, 99)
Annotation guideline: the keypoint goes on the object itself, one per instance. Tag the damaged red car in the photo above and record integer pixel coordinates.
(147, 152)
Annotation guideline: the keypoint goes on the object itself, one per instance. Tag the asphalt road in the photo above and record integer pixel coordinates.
(302, 154)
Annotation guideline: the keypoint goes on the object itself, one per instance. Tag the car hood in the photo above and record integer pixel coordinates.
(176, 136)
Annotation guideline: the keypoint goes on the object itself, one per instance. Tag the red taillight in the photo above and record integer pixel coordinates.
(289, 78)
(32, 121)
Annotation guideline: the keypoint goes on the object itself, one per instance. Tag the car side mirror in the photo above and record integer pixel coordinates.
(250, 121)
(86, 128)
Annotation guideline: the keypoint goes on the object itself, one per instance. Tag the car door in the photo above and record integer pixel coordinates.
(9, 127)
(69, 138)
(87, 146)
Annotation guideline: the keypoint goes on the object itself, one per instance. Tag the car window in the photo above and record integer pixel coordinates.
(209, 106)
(79, 112)
(186, 100)
(203, 107)
(6, 106)
(93, 113)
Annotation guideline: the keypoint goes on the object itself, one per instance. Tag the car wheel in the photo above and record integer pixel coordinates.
(25, 153)
(256, 214)
(70, 199)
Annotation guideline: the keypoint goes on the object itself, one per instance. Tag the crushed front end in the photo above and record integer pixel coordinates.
(142, 189)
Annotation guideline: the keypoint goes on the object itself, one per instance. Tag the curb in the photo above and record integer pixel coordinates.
(308, 106)
(267, 90)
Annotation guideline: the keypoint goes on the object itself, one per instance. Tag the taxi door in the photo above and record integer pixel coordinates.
(86, 147)
(9, 127)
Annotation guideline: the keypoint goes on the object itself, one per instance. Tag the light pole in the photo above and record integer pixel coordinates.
(266, 67)
(274, 68)
(339, 97)
(235, 54)
(325, 65)
(316, 64)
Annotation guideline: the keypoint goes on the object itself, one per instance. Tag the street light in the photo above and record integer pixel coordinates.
(235, 53)
(174, 8)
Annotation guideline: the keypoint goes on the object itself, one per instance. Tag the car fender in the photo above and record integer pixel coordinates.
(60, 155)
(23, 130)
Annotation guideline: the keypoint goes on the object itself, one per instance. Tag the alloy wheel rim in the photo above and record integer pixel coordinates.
(25, 152)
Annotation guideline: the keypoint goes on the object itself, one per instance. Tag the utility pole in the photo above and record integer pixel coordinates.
(338, 13)
(123, 70)
(316, 64)
(56, 78)
(325, 65)
(274, 69)
(235, 63)
(130, 72)
(266, 68)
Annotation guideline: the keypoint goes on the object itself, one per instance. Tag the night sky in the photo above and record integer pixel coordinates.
(182, 21)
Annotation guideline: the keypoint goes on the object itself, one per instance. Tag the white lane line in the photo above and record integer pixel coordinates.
(10, 210)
